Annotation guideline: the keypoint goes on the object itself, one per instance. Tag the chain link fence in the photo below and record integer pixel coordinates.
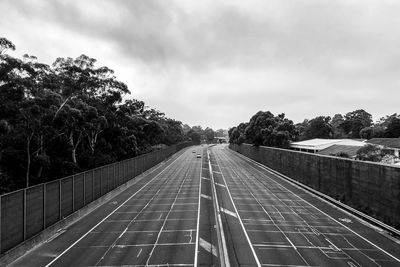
(27, 212)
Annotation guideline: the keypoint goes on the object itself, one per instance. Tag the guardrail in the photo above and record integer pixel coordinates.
(25, 213)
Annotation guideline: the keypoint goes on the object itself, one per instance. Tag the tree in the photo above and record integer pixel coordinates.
(318, 127)
(194, 136)
(70, 122)
(5, 45)
(370, 153)
(266, 129)
(355, 121)
(393, 127)
(301, 129)
(210, 134)
(366, 133)
(173, 131)
(237, 134)
(337, 130)
(221, 133)
(68, 117)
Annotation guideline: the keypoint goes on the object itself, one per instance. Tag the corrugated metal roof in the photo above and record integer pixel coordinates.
(319, 144)
(336, 149)
(387, 142)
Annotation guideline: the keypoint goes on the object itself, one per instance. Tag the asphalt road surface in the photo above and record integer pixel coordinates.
(239, 214)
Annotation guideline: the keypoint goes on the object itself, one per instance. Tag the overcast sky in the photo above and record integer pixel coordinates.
(216, 63)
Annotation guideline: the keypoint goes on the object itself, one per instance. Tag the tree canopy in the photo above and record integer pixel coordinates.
(264, 129)
(277, 131)
(70, 116)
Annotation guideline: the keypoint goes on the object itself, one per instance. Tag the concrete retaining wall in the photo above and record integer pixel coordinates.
(369, 187)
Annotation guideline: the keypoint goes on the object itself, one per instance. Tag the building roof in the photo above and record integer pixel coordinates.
(319, 144)
(387, 142)
(337, 149)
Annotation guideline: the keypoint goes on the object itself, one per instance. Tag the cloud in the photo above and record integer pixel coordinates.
(218, 62)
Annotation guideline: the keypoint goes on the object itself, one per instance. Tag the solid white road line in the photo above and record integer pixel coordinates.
(287, 179)
(240, 221)
(166, 218)
(198, 219)
(222, 248)
(105, 218)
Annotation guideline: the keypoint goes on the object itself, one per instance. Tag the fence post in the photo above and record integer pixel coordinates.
(24, 222)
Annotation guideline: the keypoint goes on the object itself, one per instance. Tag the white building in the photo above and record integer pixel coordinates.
(315, 145)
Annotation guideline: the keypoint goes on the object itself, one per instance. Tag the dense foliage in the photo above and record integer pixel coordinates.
(277, 131)
(356, 124)
(264, 129)
(68, 117)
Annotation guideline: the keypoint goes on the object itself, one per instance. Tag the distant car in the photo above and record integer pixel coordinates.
(198, 156)
(193, 151)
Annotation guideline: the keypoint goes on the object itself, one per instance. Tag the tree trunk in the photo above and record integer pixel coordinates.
(74, 147)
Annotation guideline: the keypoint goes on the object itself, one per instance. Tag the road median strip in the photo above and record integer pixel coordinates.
(222, 248)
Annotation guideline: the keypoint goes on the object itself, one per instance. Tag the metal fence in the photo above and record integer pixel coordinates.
(27, 212)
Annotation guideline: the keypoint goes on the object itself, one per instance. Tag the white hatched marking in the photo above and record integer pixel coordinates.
(205, 196)
(220, 184)
(229, 212)
(208, 247)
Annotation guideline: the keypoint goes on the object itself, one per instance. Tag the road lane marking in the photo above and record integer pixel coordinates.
(222, 249)
(289, 180)
(205, 196)
(191, 236)
(205, 178)
(166, 218)
(152, 220)
(228, 212)
(292, 244)
(335, 248)
(196, 250)
(210, 248)
(240, 221)
(140, 251)
(246, 185)
(222, 185)
(150, 244)
(105, 218)
(134, 220)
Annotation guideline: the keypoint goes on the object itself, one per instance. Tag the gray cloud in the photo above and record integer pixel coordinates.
(230, 58)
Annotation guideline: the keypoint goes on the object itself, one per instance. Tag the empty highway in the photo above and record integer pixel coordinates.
(227, 211)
